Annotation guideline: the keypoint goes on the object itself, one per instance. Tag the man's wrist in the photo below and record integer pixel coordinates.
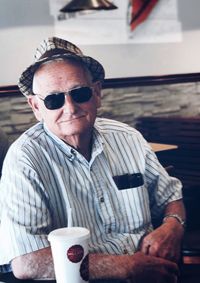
(179, 219)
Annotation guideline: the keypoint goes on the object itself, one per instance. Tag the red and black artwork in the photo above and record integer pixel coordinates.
(140, 10)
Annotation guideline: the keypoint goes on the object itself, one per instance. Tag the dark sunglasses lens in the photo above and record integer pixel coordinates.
(54, 101)
(81, 95)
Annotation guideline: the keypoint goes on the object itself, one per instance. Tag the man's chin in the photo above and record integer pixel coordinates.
(71, 130)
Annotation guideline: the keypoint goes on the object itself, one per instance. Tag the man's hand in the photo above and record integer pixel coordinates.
(165, 241)
(150, 269)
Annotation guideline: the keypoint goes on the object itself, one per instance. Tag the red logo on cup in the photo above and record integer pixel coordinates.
(75, 253)
(84, 268)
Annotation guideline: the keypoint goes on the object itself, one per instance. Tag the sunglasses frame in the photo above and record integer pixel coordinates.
(65, 93)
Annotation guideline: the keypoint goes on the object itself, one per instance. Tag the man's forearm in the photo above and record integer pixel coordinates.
(35, 265)
(136, 268)
(39, 265)
(103, 266)
(132, 268)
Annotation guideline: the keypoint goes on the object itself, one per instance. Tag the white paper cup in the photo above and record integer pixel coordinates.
(70, 254)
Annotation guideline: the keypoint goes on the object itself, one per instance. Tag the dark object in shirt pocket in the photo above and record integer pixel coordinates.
(128, 181)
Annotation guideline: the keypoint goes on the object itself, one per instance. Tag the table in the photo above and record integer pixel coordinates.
(162, 146)
(190, 274)
(9, 278)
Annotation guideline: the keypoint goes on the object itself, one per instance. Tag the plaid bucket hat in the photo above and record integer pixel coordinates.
(55, 48)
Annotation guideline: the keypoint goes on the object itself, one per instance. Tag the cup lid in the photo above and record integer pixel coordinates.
(69, 233)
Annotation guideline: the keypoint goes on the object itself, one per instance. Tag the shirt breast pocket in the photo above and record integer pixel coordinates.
(132, 201)
(128, 181)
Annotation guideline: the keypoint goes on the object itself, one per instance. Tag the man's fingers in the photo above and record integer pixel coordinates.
(145, 249)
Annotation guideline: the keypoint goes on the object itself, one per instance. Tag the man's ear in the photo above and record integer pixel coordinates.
(33, 103)
(97, 86)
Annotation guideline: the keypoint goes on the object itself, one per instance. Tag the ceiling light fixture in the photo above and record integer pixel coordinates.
(81, 5)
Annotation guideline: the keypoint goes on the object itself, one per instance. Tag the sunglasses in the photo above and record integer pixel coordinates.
(57, 100)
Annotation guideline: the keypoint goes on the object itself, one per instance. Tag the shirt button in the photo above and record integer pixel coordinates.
(109, 230)
(125, 251)
(102, 199)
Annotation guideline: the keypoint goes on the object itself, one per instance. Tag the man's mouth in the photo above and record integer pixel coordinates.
(72, 119)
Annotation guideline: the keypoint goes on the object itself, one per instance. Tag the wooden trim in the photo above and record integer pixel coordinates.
(151, 80)
(8, 87)
(12, 90)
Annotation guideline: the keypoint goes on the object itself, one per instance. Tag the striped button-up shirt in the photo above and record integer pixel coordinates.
(44, 178)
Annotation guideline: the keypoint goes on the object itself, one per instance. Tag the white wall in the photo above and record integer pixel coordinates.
(24, 23)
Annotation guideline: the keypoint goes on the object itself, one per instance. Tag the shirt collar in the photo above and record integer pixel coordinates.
(70, 152)
(67, 149)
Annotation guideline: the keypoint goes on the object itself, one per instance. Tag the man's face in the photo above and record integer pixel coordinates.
(72, 119)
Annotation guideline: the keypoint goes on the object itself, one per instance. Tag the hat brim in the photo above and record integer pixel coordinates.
(26, 78)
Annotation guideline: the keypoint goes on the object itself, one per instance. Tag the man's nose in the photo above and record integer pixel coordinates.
(69, 105)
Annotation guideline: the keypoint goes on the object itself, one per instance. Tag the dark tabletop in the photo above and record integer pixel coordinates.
(9, 278)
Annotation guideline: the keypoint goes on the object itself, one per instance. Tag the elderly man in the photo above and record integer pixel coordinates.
(101, 170)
